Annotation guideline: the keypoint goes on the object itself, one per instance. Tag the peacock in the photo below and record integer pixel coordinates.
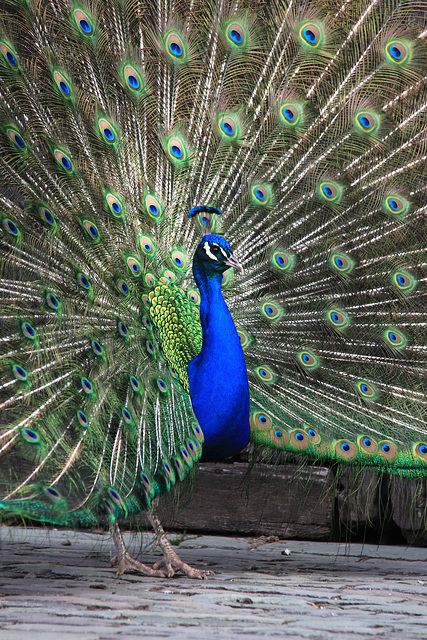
(212, 228)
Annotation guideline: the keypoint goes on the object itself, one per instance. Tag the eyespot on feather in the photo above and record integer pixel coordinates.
(154, 207)
(168, 471)
(345, 449)
(87, 386)
(397, 205)
(19, 373)
(366, 121)
(308, 359)
(264, 374)
(387, 450)
(236, 35)
(367, 390)
(179, 466)
(52, 493)
(229, 126)
(168, 277)
(161, 385)
(341, 263)
(115, 497)
(63, 160)
(28, 331)
(403, 281)
(147, 483)
(150, 280)
(109, 507)
(314, 435)
(176, 150)
(175, 47)
(337, 318)
(134, 266)
(122, 287)
(97, 348)
(191, 447)
(63, 85)
(227, 277)
(311, 35)
(11, 227)
(299, 439)
(91, 230)
(187, 458)
(420, 451)
(9, 55)
(16, 139)
(134, 383)
(107, 131)
(330, 191)
(82, 419)
(206, 221)
(367, 444)
(397, 52)
(193, 296)
(261, 194)
(122, 329)
(132, 79)
(146, 322)
(290, 114)
(198, 432)
(278, 436)
(114, 205)
(261, 420)
(283, 260)
(46, 216)
(53, 302)
(395, 338)
(147, 245)
(30, 436)
(179, 260)
(271, 311)
(84, 23)
(126, 416)
(244, 338)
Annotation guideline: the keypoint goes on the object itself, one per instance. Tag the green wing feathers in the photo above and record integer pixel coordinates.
(304, 123)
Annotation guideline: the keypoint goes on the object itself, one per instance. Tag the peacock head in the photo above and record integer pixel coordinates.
(214, 255)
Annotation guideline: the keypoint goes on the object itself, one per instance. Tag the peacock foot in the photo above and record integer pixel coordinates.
(165, 568)
(171, 562)
(124, 561)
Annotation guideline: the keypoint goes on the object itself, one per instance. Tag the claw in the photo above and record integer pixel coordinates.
(171, 561)
(124, 561)
(164, 568)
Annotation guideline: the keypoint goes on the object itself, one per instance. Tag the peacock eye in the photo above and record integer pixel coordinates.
(215, 250)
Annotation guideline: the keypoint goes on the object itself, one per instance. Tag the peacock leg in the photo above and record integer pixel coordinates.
(171, 562)
(124, 561)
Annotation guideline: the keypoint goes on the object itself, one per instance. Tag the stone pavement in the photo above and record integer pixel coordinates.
(59, 585)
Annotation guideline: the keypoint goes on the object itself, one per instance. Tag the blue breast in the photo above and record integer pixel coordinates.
(217, 376)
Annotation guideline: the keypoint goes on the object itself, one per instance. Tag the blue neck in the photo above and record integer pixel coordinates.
(217, 376)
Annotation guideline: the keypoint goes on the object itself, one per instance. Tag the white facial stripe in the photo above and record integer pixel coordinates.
(209, 252)
(223, 253)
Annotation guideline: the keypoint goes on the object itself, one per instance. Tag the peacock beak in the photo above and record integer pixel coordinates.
(233, 262)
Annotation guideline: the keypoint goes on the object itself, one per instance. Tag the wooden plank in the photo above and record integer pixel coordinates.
(285, 501)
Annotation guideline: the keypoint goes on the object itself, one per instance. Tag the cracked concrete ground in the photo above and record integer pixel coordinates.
(59, 585)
